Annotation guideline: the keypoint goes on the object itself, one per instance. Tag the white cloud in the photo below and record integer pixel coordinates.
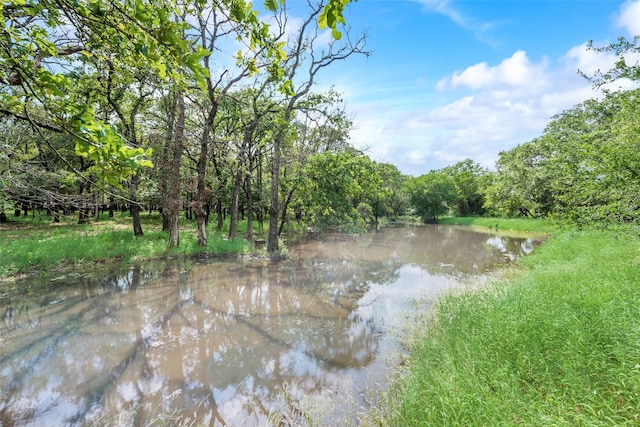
(588, 61)
(516, 71)
(629, 17)
(481, 111)
(444, 7)
(479, 28)
(592, 63)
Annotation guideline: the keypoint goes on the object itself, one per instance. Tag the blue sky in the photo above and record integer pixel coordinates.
(450, 80)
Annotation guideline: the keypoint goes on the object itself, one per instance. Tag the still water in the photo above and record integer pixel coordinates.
(226, 342)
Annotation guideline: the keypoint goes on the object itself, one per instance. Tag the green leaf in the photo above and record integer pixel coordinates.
(287, 88)
(271, 5)
(322, 19)
(162, 70)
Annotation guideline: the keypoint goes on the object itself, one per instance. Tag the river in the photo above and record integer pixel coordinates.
(229, 341)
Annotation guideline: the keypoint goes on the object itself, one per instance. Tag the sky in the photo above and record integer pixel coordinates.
(448, 80)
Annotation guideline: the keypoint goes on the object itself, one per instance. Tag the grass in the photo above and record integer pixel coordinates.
(556, 344)
(31, 245)
(537, 225)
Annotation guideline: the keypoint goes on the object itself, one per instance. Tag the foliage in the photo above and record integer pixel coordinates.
(520, 182)
(556, 345)
(432, 195)
(42, 41)
(471, 180)
(521, 225)
(392, 200)
(93, 87)
(335, 185)
(624, 50)
(583, 169)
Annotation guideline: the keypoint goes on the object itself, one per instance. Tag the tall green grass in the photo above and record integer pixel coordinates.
(38, 246)
(558, 344)
(538, 225)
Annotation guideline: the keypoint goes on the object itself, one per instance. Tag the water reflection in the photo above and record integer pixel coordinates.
(215, 342)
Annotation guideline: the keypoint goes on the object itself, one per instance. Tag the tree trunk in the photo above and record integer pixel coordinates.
(283, 220)
(174, 229)
(173, 201)
(82, 215)
(260, 211)
(202, 195)
(233, 221)
(219, 214)
(201, 219)
(135, 206)
(165, 170)
(272, 241)
(96, 208)
(247, 187)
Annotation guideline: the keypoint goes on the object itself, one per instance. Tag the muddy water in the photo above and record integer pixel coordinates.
(226, 342)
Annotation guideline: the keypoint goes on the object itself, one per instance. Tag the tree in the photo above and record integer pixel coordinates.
(128, 93)
(624, 50)
(392, 200)
(470, 180)
(522, 180)
(46, 47)
(32, 171)
(583, 168)
(431, 195)
(40, 42)
(176, 141)
(320, 125)
(336, 187)
(248, 117)
(230, 20)
(305, 43)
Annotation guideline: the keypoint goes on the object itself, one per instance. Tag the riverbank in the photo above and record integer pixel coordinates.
(518, 225)
(33, 246)
(557, 343)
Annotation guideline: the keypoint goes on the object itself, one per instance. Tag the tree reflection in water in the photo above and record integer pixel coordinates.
(216, 342)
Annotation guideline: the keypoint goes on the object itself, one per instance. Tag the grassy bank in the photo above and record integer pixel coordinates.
(536, 225)
(558, 343)
(33, 245)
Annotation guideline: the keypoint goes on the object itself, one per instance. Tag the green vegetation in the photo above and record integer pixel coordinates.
(338, 189)
(35, 246)
(432, 195)
(536, 225)
(583, 169)
(89, 105)
(556, 343)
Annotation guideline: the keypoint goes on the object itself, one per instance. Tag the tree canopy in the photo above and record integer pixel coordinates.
(211, 92)
(432, 195)
(583, 168)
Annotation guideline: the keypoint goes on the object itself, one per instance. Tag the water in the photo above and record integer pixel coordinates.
(226, 342)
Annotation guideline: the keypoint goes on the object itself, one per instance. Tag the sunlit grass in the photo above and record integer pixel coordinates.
(33, 245)
(559, 344)
(538, 225)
